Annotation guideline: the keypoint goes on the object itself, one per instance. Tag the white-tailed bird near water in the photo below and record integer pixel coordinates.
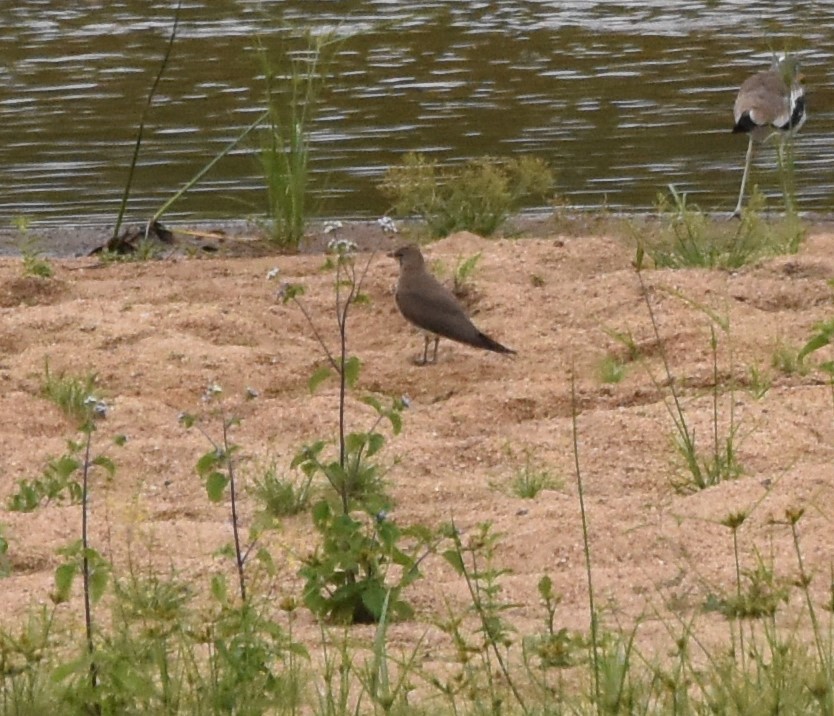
(771, 102)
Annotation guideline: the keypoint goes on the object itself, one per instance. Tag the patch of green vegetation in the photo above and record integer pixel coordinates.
(34, 264)
(758, 382)
(689, 238)
(611, 369)
(464, 271)
(788, 359)
(281, 495)
(478, 196)
(529, 477)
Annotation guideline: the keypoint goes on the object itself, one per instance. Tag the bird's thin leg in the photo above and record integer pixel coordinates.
(436, 341)
(747, 162)
(426, 339)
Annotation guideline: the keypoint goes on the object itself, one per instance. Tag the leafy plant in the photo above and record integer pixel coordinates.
(34, 264)
(759, 594)
(474, 561)
(346, 577)
(463, 275)
(59, 481)
(218, 470)
(824, 332)
(478, 196)
(77, 399)
(554, 648)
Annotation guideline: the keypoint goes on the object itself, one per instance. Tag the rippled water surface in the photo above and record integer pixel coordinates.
(621, 97)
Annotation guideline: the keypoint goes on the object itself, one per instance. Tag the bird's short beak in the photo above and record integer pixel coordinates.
(391, 255)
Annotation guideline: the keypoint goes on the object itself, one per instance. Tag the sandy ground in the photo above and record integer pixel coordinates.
(158, 333)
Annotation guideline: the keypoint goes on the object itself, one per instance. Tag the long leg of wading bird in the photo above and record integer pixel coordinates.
(748, 160)
(771, 102)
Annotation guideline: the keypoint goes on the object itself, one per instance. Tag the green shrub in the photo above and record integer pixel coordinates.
(477, 197)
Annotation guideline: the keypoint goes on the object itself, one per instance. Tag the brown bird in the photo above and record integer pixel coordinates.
(429, 305)
(771, 102)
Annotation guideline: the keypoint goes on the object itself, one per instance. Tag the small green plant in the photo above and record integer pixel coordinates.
(280, 495)
(348, 576)
(689, 238)
(758, 594)
(614, 364)
(789, 360)
(611, 369)
(218, 470)
(627, 341)
(554, 648)
(243, 674)
(58, 482)
(478, 196)
(720, 462)
(531, 477)
(823, 334)
(758, 382)
(24, 647)
(701, 468)
(33, 262)
(5, 562)
(354, 477)
(473, 559)
(463, 274)
(76, 397)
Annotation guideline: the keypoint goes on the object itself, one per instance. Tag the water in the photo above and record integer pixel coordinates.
(621, 97)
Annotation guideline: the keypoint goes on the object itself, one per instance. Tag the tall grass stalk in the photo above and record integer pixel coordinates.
(85, 559)
(586, 543)
(794, 516)
(200, 174)
(148, 104)
(292, 100)
(734, 521)
(722, 464)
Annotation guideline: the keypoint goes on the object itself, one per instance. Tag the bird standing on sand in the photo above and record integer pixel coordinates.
(429, 305)
(768, 103)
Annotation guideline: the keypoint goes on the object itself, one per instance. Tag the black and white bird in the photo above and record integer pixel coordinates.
(769, 103)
